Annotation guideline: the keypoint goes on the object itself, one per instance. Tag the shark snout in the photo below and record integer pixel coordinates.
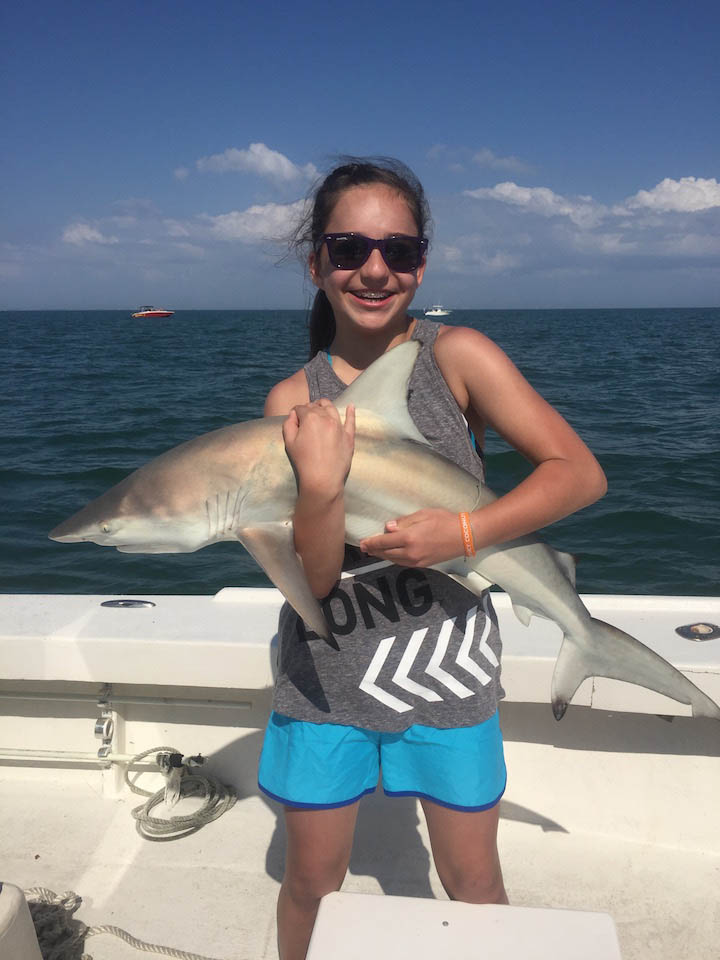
(63, 534)
(77, 529)
(66, 532)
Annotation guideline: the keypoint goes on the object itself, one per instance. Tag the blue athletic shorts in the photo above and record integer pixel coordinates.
(324, 765)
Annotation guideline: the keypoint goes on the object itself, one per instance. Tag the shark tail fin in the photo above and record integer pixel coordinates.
(619, 656)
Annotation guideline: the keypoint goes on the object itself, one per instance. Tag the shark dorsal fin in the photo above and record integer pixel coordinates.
(383, 390)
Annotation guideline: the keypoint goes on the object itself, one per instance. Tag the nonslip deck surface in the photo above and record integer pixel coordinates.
(214, 892)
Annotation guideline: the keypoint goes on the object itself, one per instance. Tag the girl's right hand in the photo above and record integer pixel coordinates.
(320, 446)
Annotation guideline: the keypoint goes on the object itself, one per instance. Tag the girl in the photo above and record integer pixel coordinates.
(348, 706)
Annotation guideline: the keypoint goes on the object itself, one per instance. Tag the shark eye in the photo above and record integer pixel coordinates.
(106, 528)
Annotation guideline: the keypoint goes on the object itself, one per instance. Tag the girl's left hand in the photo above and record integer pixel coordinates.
(420, 539)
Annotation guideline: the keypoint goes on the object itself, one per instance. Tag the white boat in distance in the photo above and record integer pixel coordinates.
(152, 313)
(437, 310)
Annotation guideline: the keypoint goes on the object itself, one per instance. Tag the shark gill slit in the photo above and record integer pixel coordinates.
(209, 519)
(227, 512)
(235, 522)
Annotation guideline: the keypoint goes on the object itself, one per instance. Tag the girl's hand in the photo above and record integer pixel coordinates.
(420, 539)
(320, 446)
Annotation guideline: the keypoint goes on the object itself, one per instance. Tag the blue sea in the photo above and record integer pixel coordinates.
(88, 396)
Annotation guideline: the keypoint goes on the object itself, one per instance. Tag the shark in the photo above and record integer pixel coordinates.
(237, 483)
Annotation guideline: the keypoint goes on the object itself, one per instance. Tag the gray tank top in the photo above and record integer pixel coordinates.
(407, 645)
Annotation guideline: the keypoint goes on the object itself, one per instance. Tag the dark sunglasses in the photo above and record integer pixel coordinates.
(349, 251)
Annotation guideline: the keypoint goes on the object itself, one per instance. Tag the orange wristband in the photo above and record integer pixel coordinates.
(467, 537)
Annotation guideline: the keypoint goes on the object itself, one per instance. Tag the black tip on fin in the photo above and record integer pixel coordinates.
(559, 707)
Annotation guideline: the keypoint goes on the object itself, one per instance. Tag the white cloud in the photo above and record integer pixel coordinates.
(258, 158)
(123, 223)
(437, 151)
(687, 195)
(470, 255)
(499, 263)
(260, 222)
(137, 207)
(537, 236)
(605, 243)
(486, 158)
(583, 211)
(497, 241)
(175, 228)
(181, 173)
(693, 245)
(190, 250)
(82, 233)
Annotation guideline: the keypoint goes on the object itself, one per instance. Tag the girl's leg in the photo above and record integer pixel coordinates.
(464, 846)
(319, 843)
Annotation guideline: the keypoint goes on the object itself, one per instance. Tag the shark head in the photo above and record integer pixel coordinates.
(128, 518)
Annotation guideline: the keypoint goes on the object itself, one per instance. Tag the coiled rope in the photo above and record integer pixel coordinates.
(62, 937)
(218, 799)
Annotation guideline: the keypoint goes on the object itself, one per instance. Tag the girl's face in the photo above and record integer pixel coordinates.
(376, 211)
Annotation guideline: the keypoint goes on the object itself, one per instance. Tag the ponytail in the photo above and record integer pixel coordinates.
(322, 324)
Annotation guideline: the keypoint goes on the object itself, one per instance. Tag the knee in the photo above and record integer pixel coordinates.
(306, 884)
(475, 886)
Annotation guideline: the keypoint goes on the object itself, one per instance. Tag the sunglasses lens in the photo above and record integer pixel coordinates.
(402, 254)
(350, 251)
(347, 253)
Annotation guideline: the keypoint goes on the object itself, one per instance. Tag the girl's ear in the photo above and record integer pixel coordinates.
(314, 269)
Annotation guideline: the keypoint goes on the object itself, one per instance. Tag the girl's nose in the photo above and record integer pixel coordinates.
(374, 267)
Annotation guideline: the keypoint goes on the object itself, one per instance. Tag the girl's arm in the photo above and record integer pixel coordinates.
(320, 448)
(490, 390)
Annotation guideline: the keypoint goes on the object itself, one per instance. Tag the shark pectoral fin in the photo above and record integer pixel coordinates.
(273, 547)
(567, 564)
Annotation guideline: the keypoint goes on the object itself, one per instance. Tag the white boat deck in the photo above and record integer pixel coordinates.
(615, 809)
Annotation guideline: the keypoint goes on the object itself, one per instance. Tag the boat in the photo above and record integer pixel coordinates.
(437, 310)
(152, 313)
(611, 813)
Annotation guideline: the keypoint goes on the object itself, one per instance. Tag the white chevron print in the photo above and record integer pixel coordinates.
(436, 671)
(485, 648)
(401, 677)
(368, 685)
(463, 657)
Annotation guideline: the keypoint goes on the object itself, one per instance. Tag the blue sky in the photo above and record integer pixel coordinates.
(570, 150)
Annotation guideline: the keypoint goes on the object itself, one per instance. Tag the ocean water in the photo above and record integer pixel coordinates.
(88, 396)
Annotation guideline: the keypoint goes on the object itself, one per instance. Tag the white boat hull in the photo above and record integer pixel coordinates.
(612, 810)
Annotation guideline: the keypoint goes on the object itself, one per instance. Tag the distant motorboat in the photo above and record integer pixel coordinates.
(152, 313)
(437, 310)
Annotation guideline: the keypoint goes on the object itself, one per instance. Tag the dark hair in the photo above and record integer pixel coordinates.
(351, 172)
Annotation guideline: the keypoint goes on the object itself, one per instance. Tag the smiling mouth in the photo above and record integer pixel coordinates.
(371, 297)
